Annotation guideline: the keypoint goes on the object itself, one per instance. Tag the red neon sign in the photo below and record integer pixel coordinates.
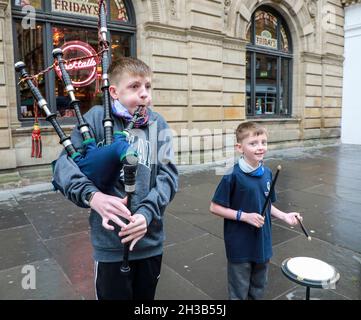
(82, 72)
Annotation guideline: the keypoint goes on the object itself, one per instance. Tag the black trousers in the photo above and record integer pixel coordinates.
(138, 284)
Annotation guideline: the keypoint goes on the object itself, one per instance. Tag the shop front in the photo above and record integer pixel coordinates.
(215, 63)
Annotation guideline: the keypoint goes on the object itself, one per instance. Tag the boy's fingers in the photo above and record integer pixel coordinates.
(106, 225)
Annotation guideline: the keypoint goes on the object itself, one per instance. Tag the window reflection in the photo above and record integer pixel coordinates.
(34, 3)
(284, 40)
(266, 29)
(118, 12)
(30, 50)
(284, 94)
(86, 94)
(266, 84)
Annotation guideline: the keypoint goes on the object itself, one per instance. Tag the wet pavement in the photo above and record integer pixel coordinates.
(40, 228)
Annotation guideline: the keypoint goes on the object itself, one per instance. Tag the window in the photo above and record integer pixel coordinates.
(268, 65)
(73, 26)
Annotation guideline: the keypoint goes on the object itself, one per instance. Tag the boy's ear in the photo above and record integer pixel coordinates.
(113, 92)
(239, 147)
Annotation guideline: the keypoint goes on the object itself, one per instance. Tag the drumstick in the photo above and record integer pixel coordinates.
(270, 191)
(304, 229)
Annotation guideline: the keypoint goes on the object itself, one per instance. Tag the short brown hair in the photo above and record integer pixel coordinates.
(245, 129)
(132, 66)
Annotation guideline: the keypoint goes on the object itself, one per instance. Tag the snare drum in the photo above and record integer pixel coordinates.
(310, 272)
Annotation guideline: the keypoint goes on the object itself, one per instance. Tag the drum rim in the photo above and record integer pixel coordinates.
(309, 282)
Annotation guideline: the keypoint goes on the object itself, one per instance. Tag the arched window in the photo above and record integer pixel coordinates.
(39, 26)
(268, 65)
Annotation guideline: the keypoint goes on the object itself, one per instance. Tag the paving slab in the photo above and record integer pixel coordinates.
(50, 283)
(21, 246)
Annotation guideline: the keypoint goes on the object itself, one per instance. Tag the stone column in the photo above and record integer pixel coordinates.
(7, 153)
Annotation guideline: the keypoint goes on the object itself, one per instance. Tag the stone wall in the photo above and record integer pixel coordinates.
(197, 51)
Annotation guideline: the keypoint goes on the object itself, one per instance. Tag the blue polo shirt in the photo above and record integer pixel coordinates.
(239, 190)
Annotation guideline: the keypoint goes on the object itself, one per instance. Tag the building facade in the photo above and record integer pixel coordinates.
(216, 63)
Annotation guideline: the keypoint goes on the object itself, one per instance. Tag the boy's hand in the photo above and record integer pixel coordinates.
(134, 231)
(291, 219)
(109, 208)
(254, 219)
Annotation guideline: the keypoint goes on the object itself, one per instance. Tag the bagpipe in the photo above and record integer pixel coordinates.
(102, 165)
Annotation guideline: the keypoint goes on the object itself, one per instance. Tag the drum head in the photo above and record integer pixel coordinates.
(310, 272)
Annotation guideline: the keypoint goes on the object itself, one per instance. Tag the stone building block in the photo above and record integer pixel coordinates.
(313, 102)
(4, 138)
(313, 90)
(233, 85)
(233, 113)
(233, 99)
(334, 49)
(169, 65)
(234, 71)
(312, 133)
(283, 135)
(207, 83)
(333, 102)
(312, 112)
(313, 68)
(234, 57)
(203, 67)
(3, 96)
(2, 74)
(207, 113)
(332, 112)
(206, 52)
(314, 80)
(312, 123)
(170, 81)
(332, 122)
(4, 118)
(334, 81)
(8, 159)
(206, 98)
(207, 7)
(330, 132)
(1, 51)
(170, 97)
(170, 48)
(177, 127)
(334, 38)
(338, 21)
(1, 30)
(205, 21)
(214, 126)
(173, 113)
(333, 91)
(334, 70)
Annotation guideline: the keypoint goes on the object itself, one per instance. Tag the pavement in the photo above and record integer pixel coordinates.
(44, 235)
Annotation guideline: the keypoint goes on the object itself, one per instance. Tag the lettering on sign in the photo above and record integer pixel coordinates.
(82, 72)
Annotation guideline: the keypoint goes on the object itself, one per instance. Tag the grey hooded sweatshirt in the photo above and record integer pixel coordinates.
(156, 185)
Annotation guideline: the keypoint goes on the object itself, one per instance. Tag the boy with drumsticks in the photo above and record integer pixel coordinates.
(239, 199)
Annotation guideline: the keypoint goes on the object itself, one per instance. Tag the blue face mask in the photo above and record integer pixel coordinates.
(248, 169)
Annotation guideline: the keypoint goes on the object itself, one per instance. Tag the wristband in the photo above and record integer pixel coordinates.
(238, 216)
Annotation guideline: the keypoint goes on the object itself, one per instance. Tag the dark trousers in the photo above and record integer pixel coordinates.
(138, 284)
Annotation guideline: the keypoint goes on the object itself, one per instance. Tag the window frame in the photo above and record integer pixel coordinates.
(254, 49)
(49, 19)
